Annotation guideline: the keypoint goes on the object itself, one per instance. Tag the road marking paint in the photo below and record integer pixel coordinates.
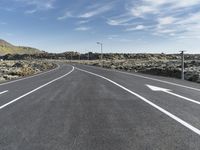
(3, 92)
(16, 99)
(168, 91)
(167, 82)
(184, 123)
(58, 66)
(153, 79)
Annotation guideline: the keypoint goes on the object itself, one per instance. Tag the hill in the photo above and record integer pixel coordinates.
(7, 48)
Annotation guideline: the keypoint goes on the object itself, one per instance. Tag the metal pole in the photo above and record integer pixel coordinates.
(182, 64)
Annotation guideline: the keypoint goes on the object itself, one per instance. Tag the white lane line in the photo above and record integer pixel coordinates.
(168, 91)
(16, 99)
(158, 80)
(187, 125)
(153, 79)
(3, 92)
(58, 66)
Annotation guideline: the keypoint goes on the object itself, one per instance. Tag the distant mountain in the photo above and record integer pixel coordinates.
(7, 48)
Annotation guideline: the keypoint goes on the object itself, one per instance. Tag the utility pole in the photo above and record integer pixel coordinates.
(88, 56)
(183, 67)
(101, 52)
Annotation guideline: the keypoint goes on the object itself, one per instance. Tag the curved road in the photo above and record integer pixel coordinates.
(77, 107)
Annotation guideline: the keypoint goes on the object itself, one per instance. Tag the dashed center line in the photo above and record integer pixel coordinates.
(3, 92)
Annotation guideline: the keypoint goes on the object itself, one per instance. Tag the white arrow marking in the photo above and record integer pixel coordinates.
(187, 125)
(158, 89)
(3, 92)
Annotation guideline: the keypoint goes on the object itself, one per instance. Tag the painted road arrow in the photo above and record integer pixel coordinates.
(159, 89)
(3, 92)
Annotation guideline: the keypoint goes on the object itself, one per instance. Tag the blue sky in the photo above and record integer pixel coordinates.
(121, 25)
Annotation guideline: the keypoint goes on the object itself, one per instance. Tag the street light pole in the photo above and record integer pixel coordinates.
(101, 44)
(182, 64)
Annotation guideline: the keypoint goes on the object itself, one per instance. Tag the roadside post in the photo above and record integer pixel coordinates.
(182, 65)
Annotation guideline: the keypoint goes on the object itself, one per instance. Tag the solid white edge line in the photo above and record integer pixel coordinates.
(3, 92)
(42, 73)
(158, 80)
(184, 123)
(183, 97)
(16, 99)
(149, 78)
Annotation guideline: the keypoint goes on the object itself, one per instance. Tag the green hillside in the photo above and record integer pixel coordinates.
(7, 48)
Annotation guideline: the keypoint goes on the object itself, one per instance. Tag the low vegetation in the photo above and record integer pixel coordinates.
(168, 68)
(15, 69)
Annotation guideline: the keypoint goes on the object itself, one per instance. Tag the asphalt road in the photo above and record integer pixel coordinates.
(88, 108)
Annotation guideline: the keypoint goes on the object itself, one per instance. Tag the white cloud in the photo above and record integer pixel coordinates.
(167, 31)
(185, 3)
(65, 16)
(173, 3)
(31, 11)
(162, 17)
(96, 12)
(83, 21)
(89, 12)
(138, 27)
(82, 28)
(166, 20)
(39, 5)
(140, 11)
(121, 21)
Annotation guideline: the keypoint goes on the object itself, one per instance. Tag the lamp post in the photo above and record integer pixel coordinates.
(101, 44)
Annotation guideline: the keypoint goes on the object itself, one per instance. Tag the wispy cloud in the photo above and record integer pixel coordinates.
(38, 5)
(160, 17)
(138, 27)
(140, 11)
(31, 11)
(83, 21)
(166, 20)
(66, 15)
(120, 21)
(8, 9)
(87, 12)
(96, 11)
(82, 28)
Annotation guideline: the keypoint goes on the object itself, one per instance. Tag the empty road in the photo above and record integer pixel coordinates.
(78, 107)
